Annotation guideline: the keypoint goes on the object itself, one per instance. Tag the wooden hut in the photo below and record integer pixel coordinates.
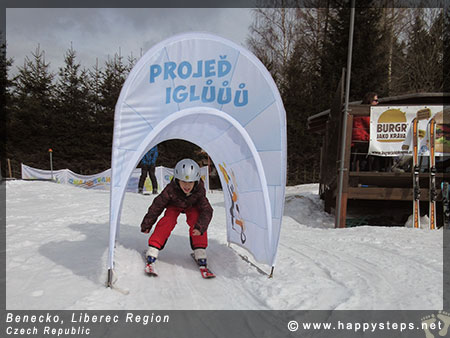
(369, 197)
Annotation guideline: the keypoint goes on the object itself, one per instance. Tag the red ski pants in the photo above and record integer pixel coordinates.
(167, 223)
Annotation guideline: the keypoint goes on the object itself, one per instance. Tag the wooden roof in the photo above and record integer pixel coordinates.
(316, 122)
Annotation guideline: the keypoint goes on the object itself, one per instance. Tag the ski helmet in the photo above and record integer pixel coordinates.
(187, 170)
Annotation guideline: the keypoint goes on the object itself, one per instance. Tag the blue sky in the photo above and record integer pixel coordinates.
(99, 32)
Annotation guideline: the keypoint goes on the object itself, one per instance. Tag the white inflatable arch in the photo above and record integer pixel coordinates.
(209, 91)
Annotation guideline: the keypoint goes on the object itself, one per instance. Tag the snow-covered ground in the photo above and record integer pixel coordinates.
(57, 244)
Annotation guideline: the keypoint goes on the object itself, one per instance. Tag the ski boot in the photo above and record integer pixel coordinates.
(152, 254)
(200, 256)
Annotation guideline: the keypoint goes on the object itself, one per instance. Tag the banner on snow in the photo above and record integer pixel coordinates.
(212, 92)
(391, 130)
(102, 180)
(66, 176)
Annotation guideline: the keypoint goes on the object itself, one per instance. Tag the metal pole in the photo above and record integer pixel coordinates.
(9, 168)
(51, 162)
(209, 173)
(344, 121)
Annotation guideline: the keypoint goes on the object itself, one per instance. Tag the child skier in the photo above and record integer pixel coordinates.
(184, 194)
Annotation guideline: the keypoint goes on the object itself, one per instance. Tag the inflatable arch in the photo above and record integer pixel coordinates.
(209, 91)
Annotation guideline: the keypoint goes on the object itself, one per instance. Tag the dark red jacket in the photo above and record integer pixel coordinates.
(172, 195)
(361, 128)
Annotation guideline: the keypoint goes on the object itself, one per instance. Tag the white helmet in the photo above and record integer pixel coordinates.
(187, 170)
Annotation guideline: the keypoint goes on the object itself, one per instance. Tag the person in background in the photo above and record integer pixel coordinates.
(370, 98)
(148, 167)
(361, 135)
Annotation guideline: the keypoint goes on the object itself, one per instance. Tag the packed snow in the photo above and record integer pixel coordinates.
(57, 246)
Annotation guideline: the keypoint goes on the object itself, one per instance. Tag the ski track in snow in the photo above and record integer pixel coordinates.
(57, 246)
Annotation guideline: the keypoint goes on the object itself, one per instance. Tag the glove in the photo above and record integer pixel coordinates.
(146, 224)
(201, 229)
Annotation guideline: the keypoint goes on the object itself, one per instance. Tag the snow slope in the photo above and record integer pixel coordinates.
(57, 244)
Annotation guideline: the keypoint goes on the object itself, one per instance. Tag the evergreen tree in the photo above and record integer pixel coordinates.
(369, 57)
(300, 100)
(71, 116)
(287, 41)
(94, 117)
(32, 106)
(113, 78)
(131, 63)
(437, 52)
(5, 83)
(446, 49)
(302, 96)
(94, 84)
(5, 65)
(423, 67)
(397, 53)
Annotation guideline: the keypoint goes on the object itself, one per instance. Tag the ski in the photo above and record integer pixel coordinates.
(416, 169)
(432, 173)
(204, 271)
(422, 114)
(445, 205)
